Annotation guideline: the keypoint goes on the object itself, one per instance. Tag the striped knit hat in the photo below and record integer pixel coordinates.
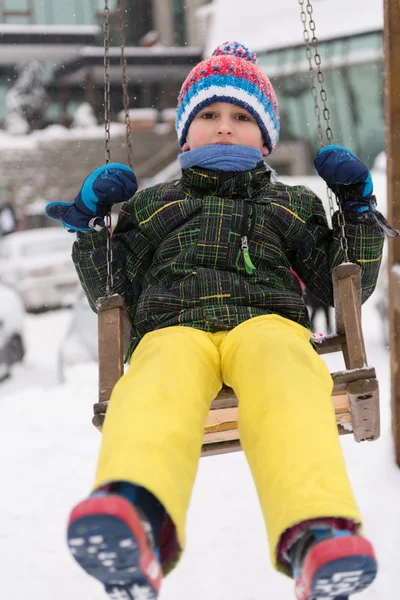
(230, 75)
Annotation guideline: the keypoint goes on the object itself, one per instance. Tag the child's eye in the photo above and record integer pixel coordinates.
(207, 115)
(242, 117)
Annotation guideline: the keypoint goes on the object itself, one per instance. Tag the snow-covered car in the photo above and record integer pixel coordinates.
(80, 342)
(12, 347)
(38, 264)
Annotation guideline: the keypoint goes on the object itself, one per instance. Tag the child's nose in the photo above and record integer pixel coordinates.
(224, 127)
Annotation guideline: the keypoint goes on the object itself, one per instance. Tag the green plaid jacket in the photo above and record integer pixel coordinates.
(178, 257)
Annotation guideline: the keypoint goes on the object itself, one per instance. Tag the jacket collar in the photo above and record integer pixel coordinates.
(207, 182)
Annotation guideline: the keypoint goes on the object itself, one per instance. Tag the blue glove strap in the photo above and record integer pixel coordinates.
(368, 186)
(359, 206)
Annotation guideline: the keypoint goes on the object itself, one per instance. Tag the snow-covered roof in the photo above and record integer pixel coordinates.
(53, 133)
(8, 28)
(266, 25)
(52, 43)
(145, 64)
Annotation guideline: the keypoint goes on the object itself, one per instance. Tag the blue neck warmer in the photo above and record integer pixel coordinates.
(223, 157)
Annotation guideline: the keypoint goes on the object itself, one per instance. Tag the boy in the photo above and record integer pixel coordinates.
(204, 264)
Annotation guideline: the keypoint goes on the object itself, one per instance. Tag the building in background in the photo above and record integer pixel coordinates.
(351, 50)
(58, 45)
(67, 37)
(165, 38)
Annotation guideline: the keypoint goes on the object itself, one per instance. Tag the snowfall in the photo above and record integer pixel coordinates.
(49, 449)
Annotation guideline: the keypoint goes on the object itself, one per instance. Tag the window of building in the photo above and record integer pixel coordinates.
(353, 79)
(178, 20)
(138, 20)
(17, 11)
(53, 12)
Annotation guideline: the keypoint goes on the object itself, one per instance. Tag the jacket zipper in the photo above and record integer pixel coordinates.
(248, 264)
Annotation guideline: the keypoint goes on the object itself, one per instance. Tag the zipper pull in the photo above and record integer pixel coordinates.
(247, 260)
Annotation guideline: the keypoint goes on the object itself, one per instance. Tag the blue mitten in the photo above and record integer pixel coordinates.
(105, 186)
(347, 176)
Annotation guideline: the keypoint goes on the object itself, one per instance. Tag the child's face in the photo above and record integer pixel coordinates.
(224, 123)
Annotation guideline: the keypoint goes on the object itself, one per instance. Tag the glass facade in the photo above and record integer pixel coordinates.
(353, 80)
(352, 69)
(178, 19)
(51, 12)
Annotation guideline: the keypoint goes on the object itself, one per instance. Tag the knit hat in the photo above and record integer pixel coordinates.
(230, 75)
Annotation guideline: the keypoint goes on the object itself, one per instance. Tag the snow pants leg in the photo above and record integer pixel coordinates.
(153, 431)
(287, 424)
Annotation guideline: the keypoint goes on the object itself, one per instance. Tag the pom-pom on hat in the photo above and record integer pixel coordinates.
(230, 75)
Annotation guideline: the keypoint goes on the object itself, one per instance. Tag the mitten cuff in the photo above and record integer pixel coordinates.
(356, 218)
(359, 205)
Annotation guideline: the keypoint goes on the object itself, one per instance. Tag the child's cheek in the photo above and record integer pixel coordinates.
(203, 138)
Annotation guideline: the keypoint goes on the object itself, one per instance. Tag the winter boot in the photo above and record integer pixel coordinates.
(333, 564)
(114, 542)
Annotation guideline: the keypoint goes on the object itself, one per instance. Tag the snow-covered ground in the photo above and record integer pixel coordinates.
(48, 450)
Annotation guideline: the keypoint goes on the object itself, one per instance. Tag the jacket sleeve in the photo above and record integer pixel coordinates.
(131, 257)
(317, 249)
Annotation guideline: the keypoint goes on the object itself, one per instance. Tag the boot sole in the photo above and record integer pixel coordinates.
(106, 538)
(336, 568)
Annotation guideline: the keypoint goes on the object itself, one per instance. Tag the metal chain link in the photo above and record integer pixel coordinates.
(320, 76)
(107, 125)
(107, 118)
(307, 15)
(121, 25)
(107, 79)
(314, 93)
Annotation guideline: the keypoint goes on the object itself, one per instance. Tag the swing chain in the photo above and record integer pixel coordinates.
(308, 10)
(107, 120)
(314, 93)
(121, 10)
(317, 59)
(107, 125)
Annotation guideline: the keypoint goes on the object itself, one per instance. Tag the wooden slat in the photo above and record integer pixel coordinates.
(344, 270)
(340, 377)
(221, 424)
(227, 399)
(364, 407)
(347, 299)
(394, 319)
(216, 415)
(341, 403)
(221, 448)
(332, 343)
(221, 436)
(112, 338)
(391, 41)
(394, 275)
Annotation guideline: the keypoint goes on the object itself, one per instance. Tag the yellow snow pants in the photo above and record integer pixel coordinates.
(153, 431)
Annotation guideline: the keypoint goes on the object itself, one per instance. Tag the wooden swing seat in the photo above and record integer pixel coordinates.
(355, 393)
